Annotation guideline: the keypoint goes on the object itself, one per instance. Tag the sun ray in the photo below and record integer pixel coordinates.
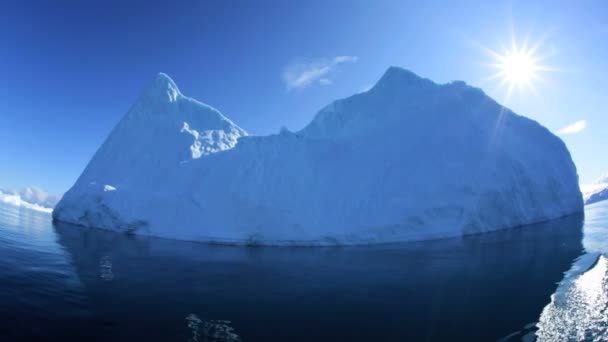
(518, 66)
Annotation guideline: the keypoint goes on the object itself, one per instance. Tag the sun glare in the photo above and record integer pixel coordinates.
(517, 67)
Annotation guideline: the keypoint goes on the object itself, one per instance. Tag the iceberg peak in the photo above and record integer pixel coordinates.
(163, 88)
(396, 77)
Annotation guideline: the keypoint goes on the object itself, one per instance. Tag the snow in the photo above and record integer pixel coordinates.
(408, 159)
(108, 188)
(597, 191)
(597, 195)
(29, 197)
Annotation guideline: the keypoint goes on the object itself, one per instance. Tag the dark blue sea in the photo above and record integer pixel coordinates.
(545, 282)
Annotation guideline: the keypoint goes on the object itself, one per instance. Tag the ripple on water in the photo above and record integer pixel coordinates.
(211, 331)
(69, 283)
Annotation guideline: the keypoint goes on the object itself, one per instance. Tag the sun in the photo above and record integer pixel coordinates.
(518, 67)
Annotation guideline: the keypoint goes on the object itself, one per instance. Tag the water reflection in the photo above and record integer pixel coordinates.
(211, 331)
(474, 288)
(105, 268)
(39, 291)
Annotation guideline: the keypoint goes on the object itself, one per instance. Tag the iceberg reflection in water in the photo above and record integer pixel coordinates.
(477, 287)
(68, 283)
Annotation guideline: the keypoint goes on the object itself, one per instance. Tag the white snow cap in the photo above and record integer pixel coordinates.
(407, 160)
(163, 88)
(596, 192)
(396, 77)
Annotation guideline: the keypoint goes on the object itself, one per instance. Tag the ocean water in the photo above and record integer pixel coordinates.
(60, 283)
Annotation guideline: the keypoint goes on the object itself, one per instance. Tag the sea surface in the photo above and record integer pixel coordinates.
(545, 282)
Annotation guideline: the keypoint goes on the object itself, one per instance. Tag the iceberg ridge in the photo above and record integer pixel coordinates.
(407, 160)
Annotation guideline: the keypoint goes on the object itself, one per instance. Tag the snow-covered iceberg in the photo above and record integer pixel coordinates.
(407, 160)
(597, 191)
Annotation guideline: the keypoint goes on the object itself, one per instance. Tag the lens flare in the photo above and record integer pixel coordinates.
(518, 66)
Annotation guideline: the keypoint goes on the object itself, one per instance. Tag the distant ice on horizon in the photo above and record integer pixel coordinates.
(30, 197)
(596, 192)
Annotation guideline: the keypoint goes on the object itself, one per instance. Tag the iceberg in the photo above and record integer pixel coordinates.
(407, 160)
(597, 191)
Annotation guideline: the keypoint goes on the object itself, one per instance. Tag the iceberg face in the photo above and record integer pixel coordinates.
(162, 130)
(407, 160)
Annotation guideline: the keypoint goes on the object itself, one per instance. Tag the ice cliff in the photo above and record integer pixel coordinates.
(407, 160)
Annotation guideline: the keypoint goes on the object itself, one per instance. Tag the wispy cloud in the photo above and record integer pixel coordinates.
(325, 81)
(574, 128)
(300, 75)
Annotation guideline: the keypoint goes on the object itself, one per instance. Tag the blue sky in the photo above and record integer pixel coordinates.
(70, 70)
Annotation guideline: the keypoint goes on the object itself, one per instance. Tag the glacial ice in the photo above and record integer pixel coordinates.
(408, 159)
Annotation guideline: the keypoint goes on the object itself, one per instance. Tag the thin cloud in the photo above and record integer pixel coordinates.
(303, 74)
(325, 81)
(574, 128)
